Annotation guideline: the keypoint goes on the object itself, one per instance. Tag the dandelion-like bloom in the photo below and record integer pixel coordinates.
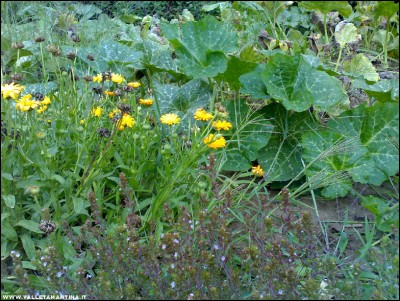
(146, 102)
(257, 170)
(114, 112)
(134, 84)
(117, 78)
(41, 110)
(11, 90)
(98, 78)
(97, 111)
(82, 121)
(202, 115)
(26, 103)
(170, 119)
(46, 101)
(222, 125)
(109, 93)
(214, 142)
(127, 120)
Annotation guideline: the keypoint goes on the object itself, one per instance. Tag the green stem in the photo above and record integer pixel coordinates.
(326, 30)
(385, 46)
(338, 60)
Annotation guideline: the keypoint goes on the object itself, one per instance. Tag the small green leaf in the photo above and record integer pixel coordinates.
(361, 67)
(325, 7)
(346, 33)
(10, 200)
(29, 246)
(7, 176)
(29, 225)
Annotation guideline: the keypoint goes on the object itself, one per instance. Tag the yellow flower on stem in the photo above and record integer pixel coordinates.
(222, 125)
(127, 120)
(41, 110)
(98, 78)
(97, 111)
(202, 115)
(170, 119)
(134, 84)
(109, 93)
(112, 114)
(257, 170)
(215, 141)
(146, 102)
(26, 103)
(117, 78)
(46, 101)
(11, 90)
(82, 121)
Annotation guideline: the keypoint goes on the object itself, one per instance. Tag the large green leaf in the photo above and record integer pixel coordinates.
(236, 67)
(386, 9)
(157, 56)
(361, 143)
(203, 46)
(252, 132)
(325, 7)
(253, 84)
(281, 157)
(346, 33)
(188, 97)
(361, 67)
(296, 82)
(111, 55)
(384, 90)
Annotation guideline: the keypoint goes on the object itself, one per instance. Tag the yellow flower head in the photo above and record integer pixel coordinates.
(127, 120)
(98, 78)
(134, 84)
(41, 110)
(113, 113)
(146, 102)
(97, 111)
(170, 119)
(26, 103)
(214, 142)
(11, 90)
(257, 170)
(109, 93)
(117, 78)
(82, 121)
(46, 101)
(202, 115)
(222, 125)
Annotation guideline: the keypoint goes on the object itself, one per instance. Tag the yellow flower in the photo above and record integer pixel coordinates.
(26, 103)
(257, 170)
(134, 84)
(41, 110)
(46, 101)
(121, 127)
(127, 120)
(11, 90)
(82, 121)
(97, 111)
(109, 93)
(222, 125)
(146, 102)
(112, 114)
(117, 78)
(98, 78)
(170, 119)
(202, 115)
(214, 142)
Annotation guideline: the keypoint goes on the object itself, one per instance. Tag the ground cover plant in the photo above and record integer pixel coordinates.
(169, 156)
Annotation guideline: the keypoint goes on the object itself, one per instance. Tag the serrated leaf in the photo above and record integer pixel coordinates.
(361, 67)
(9, 200)
(360, 144)
(281, 157)
(346, 33)
(29, 246)
(201, 49)
(325, 7)
(384, 90)
(29, 225)
(296, 82)
(253, 84)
